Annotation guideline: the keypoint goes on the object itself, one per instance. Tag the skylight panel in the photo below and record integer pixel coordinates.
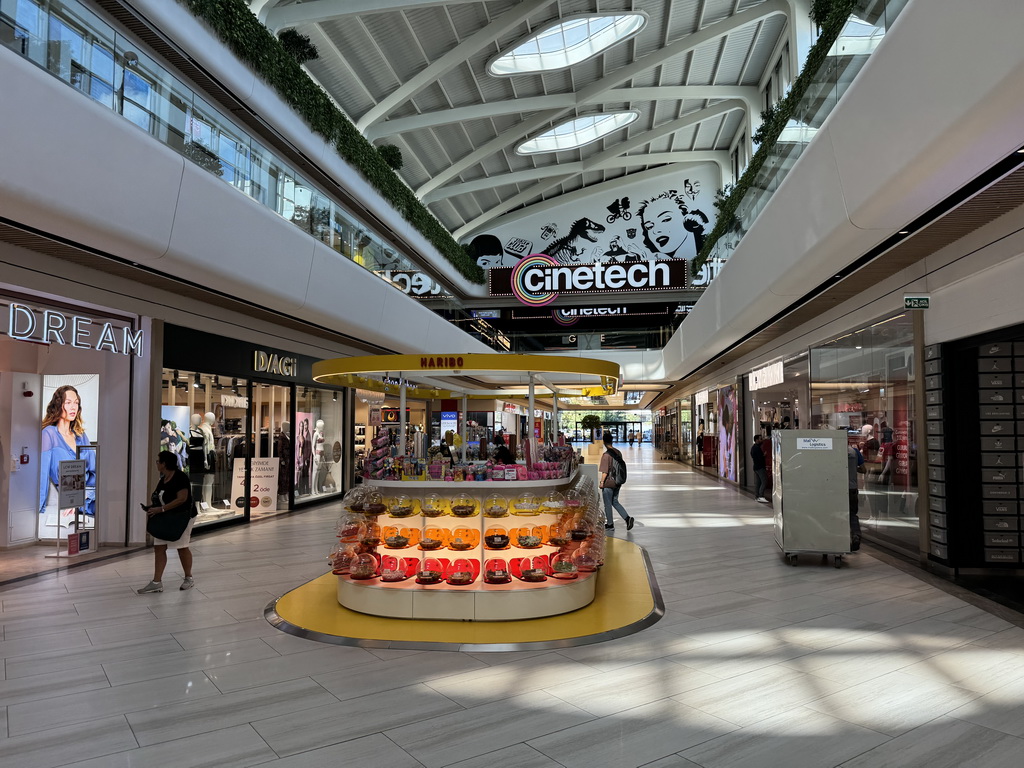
(566, 43)
(577, 132)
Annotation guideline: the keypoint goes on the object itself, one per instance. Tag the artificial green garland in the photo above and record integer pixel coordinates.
(777, 117)
(254, 44)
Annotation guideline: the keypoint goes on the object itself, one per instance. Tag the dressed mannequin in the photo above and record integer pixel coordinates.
(210, 446)
(320, 462)
(284, 454)
(198, 458)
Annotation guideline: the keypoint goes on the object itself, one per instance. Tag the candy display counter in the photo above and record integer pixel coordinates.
(467, 551)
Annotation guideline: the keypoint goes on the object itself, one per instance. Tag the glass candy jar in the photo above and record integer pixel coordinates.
(354, 499)
(581, 528)
(348, 527)
(496, 537)
(587, 559)
(554, 503)
(461, 573)
(563, 567)
(369, 534)
(433, 505)
(402, 506)
(430, 571)
(433, 538)
(525, 505)
(463, 505)
(496, 571)
(363, 567)
(558, 534)
(495, 505)
(463, 539)
(375, 504)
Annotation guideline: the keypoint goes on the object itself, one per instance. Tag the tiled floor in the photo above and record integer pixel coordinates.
(755, 664)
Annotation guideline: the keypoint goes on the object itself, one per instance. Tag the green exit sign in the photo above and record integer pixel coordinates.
(916, 302)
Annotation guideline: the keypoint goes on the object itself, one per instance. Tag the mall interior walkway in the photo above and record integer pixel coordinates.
(754, 664)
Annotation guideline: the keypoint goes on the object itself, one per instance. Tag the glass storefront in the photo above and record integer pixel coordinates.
(863, 380)
(254, 439)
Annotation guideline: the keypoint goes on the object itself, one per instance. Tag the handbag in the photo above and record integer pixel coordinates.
(170, 526)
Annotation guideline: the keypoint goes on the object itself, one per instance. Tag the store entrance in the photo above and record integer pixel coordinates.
(275, 476)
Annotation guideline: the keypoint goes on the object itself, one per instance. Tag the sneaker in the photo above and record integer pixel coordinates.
(187, 583)
(153, 586)
(609, 527)
(629, 523)
(762, 499)
(855, 544)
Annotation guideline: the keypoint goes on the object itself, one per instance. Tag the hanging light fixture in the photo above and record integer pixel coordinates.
(216, 383)
(334, 396)
(234, 385)
(196, 382)
(174, 377)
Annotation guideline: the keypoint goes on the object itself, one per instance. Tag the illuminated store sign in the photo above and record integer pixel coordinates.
(52, 327)
(269, 362)
(539, 280)
(769, 376)
(412, 283)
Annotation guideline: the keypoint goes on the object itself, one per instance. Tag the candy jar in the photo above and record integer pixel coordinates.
(587, 558)
(354, 499)
(433, 505)
(525, 505)
(463, 539)
(463, 505)
(433, 538)
(430, 571)
(363, 567)
(495, 505)
(348, 527)
(563, 567)
(461, 573)
(554, 503)
(369, 534)
(558, 534)
(496, 571)
(375, 504)
(496, 537)
(402, 506)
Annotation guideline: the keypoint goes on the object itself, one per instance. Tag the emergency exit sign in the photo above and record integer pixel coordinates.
(916, 302)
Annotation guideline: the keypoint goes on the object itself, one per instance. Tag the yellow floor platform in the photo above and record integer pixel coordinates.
(627, 600)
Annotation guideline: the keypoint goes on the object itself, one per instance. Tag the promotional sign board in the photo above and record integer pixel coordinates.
(262, 491)
(449, 421)
(71, 492)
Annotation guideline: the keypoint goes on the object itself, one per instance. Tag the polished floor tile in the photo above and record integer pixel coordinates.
(754, 665)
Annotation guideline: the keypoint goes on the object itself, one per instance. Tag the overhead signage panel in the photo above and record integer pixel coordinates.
(539, 280)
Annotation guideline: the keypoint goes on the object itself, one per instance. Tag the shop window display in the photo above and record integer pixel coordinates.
(864, 380)
(203, 422)
(318, 453)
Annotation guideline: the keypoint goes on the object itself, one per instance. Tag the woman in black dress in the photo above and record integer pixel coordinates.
(173, 494)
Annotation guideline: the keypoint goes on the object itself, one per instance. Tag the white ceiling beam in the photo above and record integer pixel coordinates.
(487, 35)
(559, 169)
(598, 88)
(619, 149)
(482, 111)
(316, 11)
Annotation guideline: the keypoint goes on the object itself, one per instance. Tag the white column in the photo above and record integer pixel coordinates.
(465, 427)
(529, 419)
(401, 416)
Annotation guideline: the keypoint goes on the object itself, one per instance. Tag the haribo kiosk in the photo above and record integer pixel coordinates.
(464, 535)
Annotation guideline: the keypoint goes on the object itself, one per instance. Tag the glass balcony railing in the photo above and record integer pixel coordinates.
(75, 45)
(863, 31)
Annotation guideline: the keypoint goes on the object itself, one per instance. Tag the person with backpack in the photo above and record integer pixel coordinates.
(612, 474)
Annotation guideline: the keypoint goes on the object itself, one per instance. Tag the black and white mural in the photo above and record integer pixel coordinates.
(643, 221)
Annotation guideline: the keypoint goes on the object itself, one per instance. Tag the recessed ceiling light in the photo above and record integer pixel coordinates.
(576, 133)
(567, 42)
(904, 232)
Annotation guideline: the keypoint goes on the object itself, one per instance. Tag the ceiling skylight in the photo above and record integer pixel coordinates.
(577, 132)
(567, 42)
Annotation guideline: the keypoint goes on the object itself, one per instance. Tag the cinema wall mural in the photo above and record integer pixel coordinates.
(643, 221)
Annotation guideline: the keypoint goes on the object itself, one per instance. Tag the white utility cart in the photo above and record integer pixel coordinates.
(810, 493)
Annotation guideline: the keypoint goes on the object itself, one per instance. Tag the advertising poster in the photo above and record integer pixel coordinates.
(262, 492)
(70, 401)
(449, 422)
(72, 484)
(303, 453)
(727, 433)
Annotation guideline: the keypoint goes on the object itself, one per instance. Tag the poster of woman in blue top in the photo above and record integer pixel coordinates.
(63, 433)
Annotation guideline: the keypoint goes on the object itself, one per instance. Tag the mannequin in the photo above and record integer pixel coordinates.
(210, 447)
(284, 452)
(198, 458)
(320, 464)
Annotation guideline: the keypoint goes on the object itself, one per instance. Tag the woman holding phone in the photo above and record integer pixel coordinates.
(173, 494)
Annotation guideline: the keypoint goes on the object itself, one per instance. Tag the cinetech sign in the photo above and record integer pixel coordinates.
(539, 280)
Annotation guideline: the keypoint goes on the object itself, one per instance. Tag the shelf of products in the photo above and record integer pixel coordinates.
(466, 551)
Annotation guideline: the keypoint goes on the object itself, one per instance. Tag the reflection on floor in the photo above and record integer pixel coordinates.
(755, 664)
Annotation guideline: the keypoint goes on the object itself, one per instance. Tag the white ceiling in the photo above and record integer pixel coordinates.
(413, 73)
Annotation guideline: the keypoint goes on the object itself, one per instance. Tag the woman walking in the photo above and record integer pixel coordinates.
(173, 494)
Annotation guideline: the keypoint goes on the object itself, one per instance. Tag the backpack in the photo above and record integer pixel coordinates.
(618, 469)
